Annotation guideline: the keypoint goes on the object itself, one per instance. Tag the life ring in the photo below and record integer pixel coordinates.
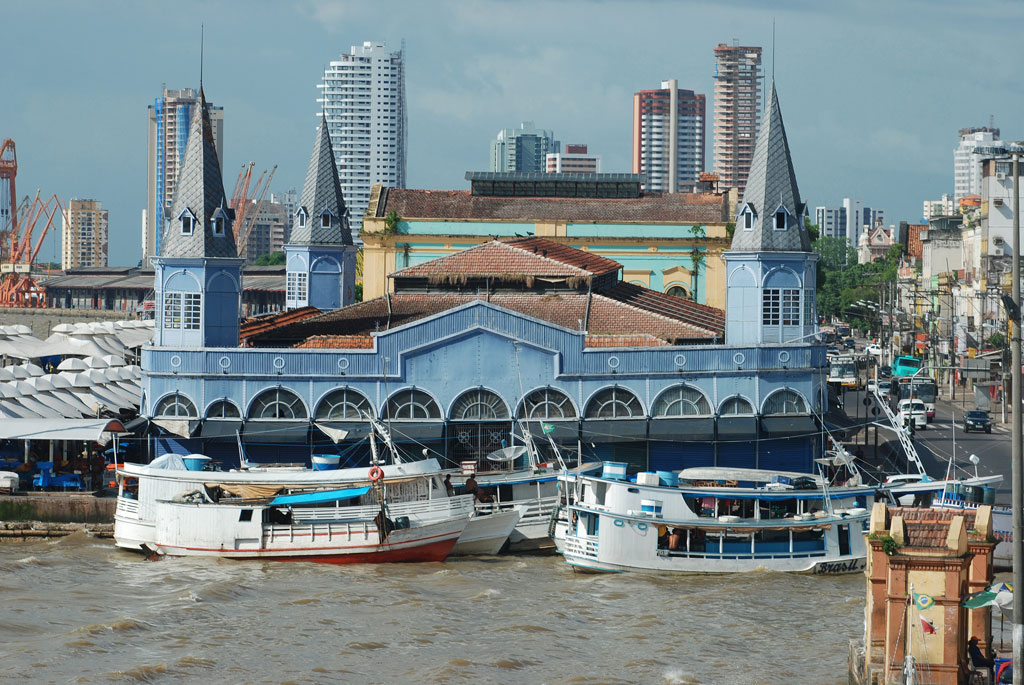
(376, 473)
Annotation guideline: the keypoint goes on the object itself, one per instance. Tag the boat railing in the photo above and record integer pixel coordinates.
(325, 530)
(127, 507)
(697, 554)
(581, 545)
(533, 508)
(451, 506)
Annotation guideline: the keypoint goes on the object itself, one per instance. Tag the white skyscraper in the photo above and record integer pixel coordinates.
(967, 164)
(363, 98)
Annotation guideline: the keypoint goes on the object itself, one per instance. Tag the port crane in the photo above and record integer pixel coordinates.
(247, 207)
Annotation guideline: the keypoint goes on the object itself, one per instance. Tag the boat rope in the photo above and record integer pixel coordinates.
(903, 622)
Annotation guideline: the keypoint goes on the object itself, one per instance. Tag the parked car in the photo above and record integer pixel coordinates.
(873, 348)
(885, 371)
(871, 387)
(912, 410)
(977, 420)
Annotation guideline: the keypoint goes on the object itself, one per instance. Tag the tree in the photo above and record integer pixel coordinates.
(272, 259)
(812, 229)
(391, 223)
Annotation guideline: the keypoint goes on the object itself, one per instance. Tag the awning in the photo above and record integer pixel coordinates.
(614, 430)
(183, 428)
(320, 497)
(220, 428)
(683, 429)
(780, 426)
(58, 429)
(276, 432)
(732, 427)
(355, 430)
(416, 430)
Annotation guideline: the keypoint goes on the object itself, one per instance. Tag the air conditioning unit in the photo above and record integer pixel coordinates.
(1001, 176)
(997, 251)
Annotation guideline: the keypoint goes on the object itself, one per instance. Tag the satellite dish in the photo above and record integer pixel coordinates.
(974, 459)
(425, 451)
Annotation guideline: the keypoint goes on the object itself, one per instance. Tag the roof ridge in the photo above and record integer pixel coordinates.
(657, 314)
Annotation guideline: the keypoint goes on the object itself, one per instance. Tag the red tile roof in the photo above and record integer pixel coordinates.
(337, 342)
(674, 208)
(268, 322)
(624, 341)
(521, 257)
(929, 527)
(606, 316)
(711, 318)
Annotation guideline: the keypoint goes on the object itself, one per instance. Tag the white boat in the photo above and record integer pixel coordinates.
(744, 521)
(518, 479)
(280, 530)
(413, 491)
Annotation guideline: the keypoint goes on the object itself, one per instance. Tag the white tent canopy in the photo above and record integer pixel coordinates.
(59, 429)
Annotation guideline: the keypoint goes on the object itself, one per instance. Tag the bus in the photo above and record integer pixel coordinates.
(906, 366)
(843, 371)
(921, 388)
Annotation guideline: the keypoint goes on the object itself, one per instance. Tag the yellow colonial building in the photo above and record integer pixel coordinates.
(667, 242)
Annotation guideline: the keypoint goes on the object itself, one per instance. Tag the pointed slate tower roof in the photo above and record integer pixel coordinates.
(199, 196)
(771, 186)
(321, 193)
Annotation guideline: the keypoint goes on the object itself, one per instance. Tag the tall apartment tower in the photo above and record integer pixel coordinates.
(668, 136)
(84, 235)
(967, 163)
(169, 118)
(363, 98)
(523, 149)
(738, 81)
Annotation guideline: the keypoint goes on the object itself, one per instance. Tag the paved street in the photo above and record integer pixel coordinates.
(935, 444)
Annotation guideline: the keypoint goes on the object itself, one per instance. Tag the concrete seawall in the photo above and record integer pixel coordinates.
(58, 508)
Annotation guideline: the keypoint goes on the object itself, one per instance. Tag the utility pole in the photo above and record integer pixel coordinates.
(1017, 471)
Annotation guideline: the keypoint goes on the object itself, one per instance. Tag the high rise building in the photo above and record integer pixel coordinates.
(169, 118)
(522, 149)
(575, 159)
(738, 83)
(363, 97)
(967, 163)
(668, 136)
(84, 235)
(944, 206)
(847, 221)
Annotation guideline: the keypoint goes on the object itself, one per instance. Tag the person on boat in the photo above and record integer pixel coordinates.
(472, 488)
(978, 659)
(448, 487)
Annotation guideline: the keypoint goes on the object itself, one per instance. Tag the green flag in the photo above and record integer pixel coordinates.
(980, 599)
(548, 428)
(923, 601)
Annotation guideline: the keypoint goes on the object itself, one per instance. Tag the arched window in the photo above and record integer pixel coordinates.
(223, 409)
(344, 404)
(785, 402)
(479, 405)
(277, 403)
(411, 404)
(614, 403)
(678, 291)
(736, 406)
(547, 404)
(176, 406)
(682, 400)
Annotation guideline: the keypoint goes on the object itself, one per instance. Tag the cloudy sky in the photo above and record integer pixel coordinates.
(872, 92)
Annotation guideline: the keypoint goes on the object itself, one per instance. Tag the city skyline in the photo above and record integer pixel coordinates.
(895, 147)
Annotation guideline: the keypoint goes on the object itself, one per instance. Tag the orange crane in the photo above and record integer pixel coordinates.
(18, 288)
(17, 224)
(247, 207)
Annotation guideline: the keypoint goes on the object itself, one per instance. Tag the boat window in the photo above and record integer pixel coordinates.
(778, 509)
(245, 515)
(634, 490)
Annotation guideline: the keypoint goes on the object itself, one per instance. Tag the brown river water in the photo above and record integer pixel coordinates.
(78, 610)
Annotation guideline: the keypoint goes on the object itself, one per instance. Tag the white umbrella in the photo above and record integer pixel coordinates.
(103, 387)
(63, 328)
(114, 360)
(95, 363)
(19, 372)
(33, 369)
(21, 394)
(52, 397)
(72, 363)
(6, 375)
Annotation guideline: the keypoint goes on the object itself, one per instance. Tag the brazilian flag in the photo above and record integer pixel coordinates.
(923, 601)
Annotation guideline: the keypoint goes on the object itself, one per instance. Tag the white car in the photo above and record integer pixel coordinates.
(871, 385)
(912, 410)
(873, 348)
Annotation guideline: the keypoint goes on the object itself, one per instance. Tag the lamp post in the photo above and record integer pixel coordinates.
(1017, 471)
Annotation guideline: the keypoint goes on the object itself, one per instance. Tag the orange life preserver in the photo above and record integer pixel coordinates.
(376, 473)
